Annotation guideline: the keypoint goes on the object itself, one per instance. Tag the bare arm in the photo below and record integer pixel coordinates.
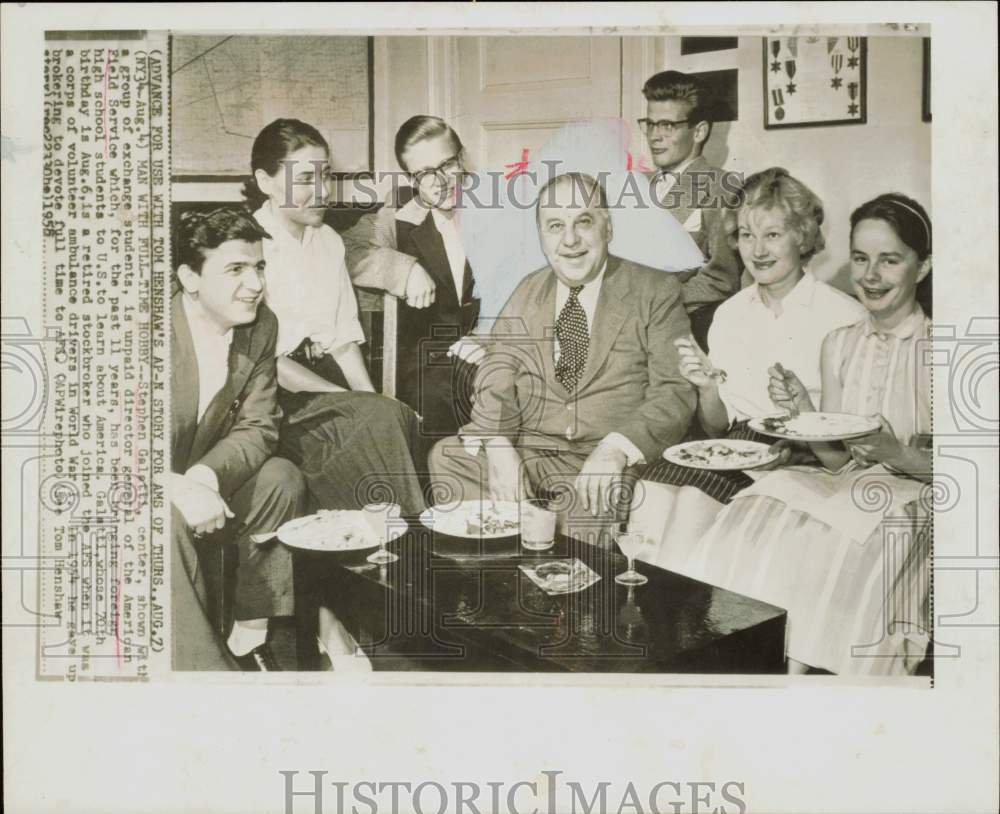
(832, 456)
(697, 368)
(296, 378)
(353, 366)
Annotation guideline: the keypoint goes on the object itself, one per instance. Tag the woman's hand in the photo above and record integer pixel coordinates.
(787, 391)
(790, 453)
(879, 447)
(695, 366)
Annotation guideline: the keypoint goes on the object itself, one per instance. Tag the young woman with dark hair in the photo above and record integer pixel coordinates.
(350, 442)
(846, 548)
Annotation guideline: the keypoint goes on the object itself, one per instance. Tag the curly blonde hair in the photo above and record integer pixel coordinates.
(776, 188)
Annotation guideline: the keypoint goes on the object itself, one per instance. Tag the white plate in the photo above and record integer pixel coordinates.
(334, 530)
(465, 519)
(720, 454)
(815, 426)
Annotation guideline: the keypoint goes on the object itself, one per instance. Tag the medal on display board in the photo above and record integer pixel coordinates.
(803, 78)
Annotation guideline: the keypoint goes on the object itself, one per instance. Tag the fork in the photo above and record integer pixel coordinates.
(793, 411)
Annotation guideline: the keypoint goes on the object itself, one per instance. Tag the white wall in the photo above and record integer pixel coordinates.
(846, 164)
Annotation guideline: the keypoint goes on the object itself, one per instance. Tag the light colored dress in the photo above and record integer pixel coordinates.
(847, 554)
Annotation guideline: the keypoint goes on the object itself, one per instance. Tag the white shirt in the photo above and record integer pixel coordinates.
(747, 337)
(666, 179)
(211, 352)
(452, 246)
(308, 287)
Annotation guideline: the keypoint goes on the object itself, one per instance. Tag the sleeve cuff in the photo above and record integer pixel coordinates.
(632, 453)
(205, 475)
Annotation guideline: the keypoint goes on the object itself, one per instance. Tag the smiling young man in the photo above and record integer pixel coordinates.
(677, 125)
(412, 248)
(581, 377)
(224, 430)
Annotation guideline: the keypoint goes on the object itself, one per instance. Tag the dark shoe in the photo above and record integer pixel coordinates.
(260, 659)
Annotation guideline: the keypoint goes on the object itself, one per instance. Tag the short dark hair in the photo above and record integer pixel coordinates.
(199, 232)
(674, 86)
(273, 145)
(909, 220)
(591, 186)
(421, 128)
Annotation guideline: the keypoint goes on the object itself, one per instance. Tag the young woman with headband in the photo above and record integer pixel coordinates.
(846, 549)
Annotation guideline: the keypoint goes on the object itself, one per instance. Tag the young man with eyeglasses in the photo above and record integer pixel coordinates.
(677, 125)
(412, 248)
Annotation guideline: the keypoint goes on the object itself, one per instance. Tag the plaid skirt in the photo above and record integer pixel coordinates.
(721, 486)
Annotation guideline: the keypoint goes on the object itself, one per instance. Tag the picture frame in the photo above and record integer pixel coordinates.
(814, 81)
(925, 88)
(705, 45)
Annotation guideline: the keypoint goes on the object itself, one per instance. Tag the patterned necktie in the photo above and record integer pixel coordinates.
(571, 332)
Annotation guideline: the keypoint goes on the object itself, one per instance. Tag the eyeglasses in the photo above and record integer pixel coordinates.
(439, 173)
(664, 127)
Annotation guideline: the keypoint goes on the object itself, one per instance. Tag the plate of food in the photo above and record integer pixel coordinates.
(336, 530)
(815, 426)
(474, 519)
(720, 454)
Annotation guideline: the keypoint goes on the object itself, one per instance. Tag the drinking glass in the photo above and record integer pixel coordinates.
(630, 542)
(379, 516)
(538, 525)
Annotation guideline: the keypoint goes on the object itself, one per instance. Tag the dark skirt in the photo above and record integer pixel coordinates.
(353, 448)
(721, 486)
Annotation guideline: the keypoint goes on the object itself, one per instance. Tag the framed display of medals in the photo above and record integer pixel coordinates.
(814, 81)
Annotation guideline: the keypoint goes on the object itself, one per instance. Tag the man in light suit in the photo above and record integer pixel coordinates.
(580, 379)
(677, 126)
(224, 429)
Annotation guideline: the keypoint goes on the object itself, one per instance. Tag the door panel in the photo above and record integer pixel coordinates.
(514, 93)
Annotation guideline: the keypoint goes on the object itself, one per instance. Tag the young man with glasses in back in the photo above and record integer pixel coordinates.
(677, 125)
(412, 248)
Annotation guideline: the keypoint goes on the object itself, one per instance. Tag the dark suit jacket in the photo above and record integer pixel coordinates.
(451, 316)
(631, 383)
(239, 430)
(381, 251)
(698, 198)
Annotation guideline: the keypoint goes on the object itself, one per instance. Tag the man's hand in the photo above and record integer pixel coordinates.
(203, 509)
(420, 288)
(505, 471)
(600, 473)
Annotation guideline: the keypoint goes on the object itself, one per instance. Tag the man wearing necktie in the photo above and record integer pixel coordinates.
(580, 379)
(677, 125)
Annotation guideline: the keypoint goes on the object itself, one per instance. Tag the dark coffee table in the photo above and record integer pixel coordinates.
(458, 605)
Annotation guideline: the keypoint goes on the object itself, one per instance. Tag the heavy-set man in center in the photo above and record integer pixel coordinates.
(580, 379)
